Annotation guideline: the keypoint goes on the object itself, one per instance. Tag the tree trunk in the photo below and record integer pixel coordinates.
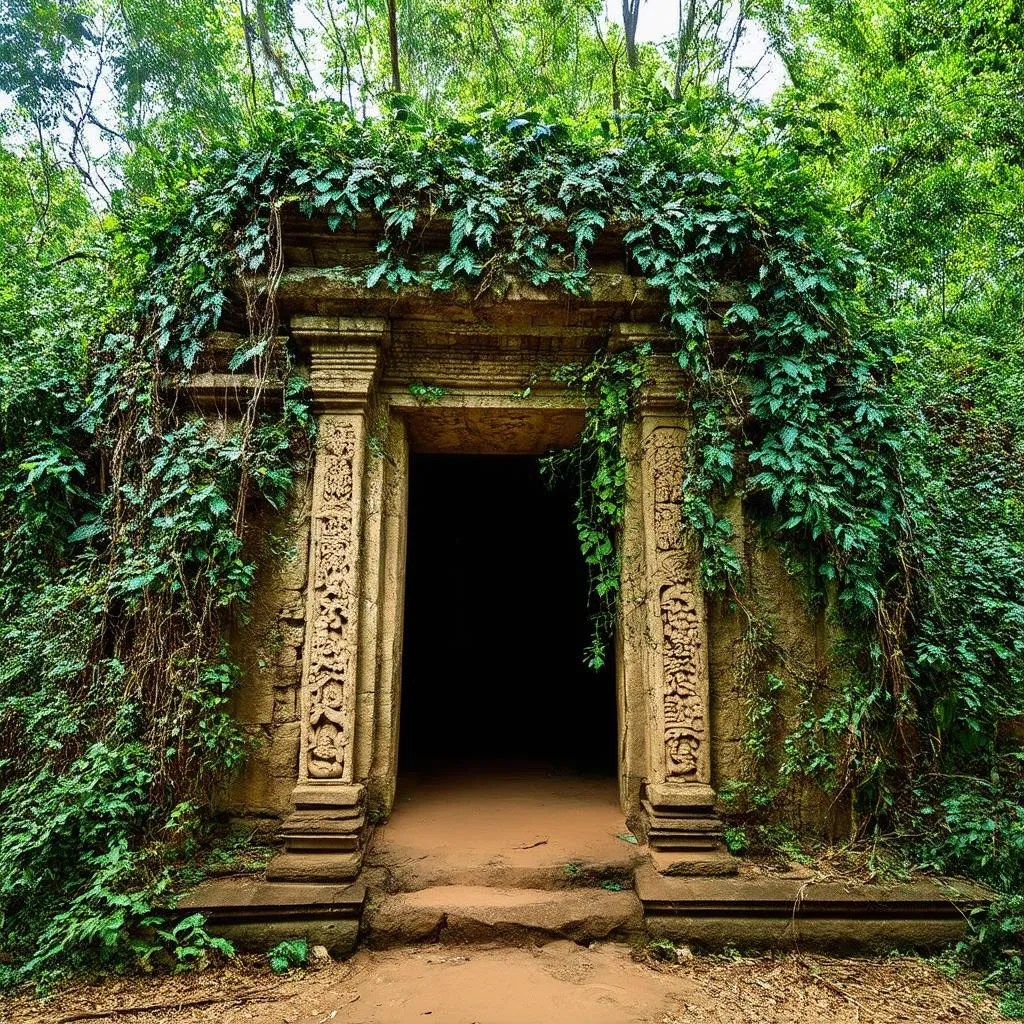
(273, 58)
(630, 17)
(685, 40)
(396, 78)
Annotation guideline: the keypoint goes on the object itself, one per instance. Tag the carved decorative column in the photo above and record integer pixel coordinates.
(665, 628)
(324, 836)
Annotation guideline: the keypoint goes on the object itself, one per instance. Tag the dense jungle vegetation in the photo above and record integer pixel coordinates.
(868, 210)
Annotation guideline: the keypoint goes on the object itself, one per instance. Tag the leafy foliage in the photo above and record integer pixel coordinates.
(287, 954)
(611, 382)
(911, 115)
(124, 558)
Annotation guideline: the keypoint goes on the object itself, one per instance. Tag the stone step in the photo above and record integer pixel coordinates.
(763, 911)
(315, 866)
(470, 913)
(411, 874)
(255, 914)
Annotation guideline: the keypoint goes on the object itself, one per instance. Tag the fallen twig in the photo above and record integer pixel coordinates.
(842, 993)
(530, 846)
(261, 996)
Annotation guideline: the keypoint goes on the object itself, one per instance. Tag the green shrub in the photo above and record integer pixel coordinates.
(288, 954)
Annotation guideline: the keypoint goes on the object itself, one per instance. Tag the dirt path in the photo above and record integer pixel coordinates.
(555, 984)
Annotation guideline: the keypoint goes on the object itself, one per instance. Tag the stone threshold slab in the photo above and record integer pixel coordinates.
(506, 916)
(758, 912)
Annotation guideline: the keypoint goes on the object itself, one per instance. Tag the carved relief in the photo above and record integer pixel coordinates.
(685, 729)
(684, 687)
(668, 468)
(668, 495)
(333, 645)
(668, 527)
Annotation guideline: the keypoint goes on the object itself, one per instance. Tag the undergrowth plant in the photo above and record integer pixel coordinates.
(125, 513)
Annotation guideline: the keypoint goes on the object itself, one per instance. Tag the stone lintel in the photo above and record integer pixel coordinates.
(338, 328)
(612, 296)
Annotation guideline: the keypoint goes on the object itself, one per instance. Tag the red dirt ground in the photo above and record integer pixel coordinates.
(559, 983)
(445, 832)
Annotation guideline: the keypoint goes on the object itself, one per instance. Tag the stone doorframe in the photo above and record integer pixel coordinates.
(368, 423)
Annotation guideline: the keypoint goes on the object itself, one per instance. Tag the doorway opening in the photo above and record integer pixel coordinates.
(496, 625)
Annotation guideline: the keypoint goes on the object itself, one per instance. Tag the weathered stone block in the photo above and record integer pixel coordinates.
(278, 797)
(293, 612)
(253, 701)
(460, 913)
(285, 662)
(293, 566)
(673, 796)
(313, 795)
(759, 911)
(284, 751)
(255, 915)
(286, 704)
(292, 633)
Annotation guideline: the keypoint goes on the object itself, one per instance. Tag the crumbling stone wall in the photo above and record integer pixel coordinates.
(268, 647)
(806, 639)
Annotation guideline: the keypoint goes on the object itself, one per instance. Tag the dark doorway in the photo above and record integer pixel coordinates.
(496, 625)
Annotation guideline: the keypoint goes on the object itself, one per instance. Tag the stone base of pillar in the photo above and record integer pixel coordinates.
(683, 833)
(324, 837)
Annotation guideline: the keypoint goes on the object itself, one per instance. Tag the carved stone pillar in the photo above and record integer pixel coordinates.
(324, 836)
(665, 624)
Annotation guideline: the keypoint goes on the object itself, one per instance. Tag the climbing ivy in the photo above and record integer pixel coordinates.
(611, 383)
(115, 677)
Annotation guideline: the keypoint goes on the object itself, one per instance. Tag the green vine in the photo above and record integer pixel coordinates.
(611, 383)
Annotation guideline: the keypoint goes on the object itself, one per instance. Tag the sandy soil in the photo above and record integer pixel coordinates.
(487, 829)
(559, 983)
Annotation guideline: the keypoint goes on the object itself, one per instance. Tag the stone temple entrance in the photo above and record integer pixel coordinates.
(493, 394)
(493, 673)
(382, 648)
